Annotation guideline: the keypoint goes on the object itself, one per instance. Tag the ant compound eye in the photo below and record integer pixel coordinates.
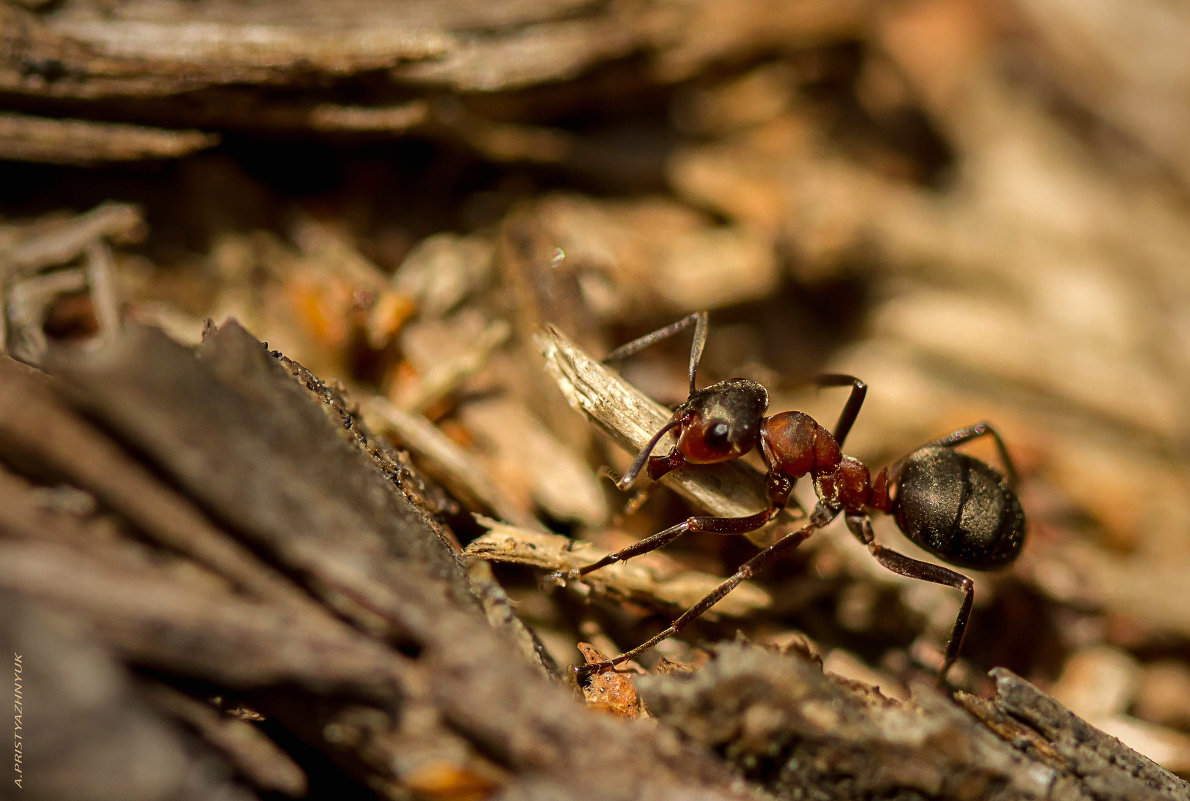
(716, 436)
(706, 443)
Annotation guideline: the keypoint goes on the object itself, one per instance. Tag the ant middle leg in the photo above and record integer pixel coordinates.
(861, 527)
(854, 401)
(745, 571)
(709, 525)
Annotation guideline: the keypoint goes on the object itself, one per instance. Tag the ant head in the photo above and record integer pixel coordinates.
(721, 422)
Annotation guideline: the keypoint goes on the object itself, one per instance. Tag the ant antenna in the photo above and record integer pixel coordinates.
(697, 319)
(625, 481)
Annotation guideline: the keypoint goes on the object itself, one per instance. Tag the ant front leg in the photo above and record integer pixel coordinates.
(779, 488)
(745, 571)
(709, 525)
(855, 400)
(861, 527)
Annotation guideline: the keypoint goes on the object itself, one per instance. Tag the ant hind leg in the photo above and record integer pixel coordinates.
(861, 527)
(964, 435)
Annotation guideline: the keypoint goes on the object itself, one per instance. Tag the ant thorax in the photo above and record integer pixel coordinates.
(794, 444)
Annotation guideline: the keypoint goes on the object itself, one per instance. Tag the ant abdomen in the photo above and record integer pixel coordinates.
(959, 508)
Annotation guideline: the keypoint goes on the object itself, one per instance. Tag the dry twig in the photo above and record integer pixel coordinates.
(632, 580)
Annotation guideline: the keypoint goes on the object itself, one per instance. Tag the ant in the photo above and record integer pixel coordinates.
(955, 506)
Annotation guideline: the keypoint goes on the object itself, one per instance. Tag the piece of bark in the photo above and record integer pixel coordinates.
(450, 70)
(213, 635)
(409, 670)
(253, 754)
(447, 461)
(452, 366)
(141, 51)
(441, 271)
(526, 453)
(800, 733)
(82, 729)
(27, 249)
(53, 242)
(28, 305)
(24, 137)
(268, 470)
(40, 432)
(145, 49)
(1109, 768)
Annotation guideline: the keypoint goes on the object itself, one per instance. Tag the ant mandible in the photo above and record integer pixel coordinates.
(950, 503)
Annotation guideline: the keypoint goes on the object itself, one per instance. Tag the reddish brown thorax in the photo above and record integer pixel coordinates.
(795, 445)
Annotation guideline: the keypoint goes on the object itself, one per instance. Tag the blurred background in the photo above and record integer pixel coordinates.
(980, 208)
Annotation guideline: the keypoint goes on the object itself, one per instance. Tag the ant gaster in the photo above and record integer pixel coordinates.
(948, 502)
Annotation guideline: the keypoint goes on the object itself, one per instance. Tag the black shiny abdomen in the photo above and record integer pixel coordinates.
(959, 508)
